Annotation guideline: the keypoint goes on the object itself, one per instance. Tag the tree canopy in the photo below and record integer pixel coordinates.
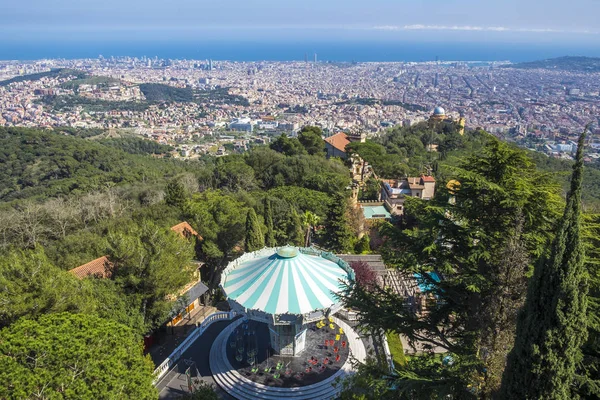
(553, 324)
(73, 356)
(481, 240)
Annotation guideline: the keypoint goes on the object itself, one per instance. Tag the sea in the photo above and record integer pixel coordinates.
(296, 50)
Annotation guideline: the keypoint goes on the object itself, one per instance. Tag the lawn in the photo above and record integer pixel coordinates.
(396, 348)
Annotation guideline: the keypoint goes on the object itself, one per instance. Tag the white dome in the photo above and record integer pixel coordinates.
(439, 111)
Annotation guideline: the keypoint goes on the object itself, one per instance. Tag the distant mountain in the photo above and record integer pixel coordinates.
(568, 63)
(54, 73)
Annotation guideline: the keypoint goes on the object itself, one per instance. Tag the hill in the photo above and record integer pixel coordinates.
(55, 73)
(38, 163)
(568, 63)
(98, 81)
(157, 92)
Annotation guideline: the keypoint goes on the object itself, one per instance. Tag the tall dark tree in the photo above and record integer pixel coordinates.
(552, 326)
(481, 238)
(338, 235)
(254, 237)
(589, 370)
(269, 234)
(175, 194)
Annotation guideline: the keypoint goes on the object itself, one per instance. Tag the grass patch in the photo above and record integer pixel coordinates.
(396, 348)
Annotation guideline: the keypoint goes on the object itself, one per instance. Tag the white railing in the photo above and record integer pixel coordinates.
(166, 365)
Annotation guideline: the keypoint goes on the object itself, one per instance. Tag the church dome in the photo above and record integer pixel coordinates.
(439, 111)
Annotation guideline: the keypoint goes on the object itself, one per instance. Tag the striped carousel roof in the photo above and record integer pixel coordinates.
(284, 282)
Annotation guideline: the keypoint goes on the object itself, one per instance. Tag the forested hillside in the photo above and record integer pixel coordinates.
(40, 164)
(418, 149)
(70, 197)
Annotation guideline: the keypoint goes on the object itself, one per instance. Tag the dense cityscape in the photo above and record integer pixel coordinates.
(317, 200)
(542, 109)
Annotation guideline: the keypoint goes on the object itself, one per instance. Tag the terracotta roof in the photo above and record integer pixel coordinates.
(99, 267)
(185, 230)
(339, 141)
(427, 178)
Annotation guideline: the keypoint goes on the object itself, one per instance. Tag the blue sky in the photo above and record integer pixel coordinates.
(501, 20)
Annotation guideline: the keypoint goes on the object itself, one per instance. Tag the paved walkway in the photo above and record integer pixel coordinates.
(168, 341)
(419, 347)
(173, 385)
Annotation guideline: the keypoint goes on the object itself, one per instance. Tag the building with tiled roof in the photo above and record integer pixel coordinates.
(100, 267)
(185, 230)
(393, 192)
(336, 145)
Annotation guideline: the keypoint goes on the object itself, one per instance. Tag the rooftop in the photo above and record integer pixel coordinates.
(99, 267)
(185, 230)
(266, 281)
(339, 141)
(375, 212)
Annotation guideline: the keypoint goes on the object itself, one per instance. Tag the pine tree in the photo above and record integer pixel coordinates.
(552, 326)
(175, 194)
(254, 237)
(270, 234)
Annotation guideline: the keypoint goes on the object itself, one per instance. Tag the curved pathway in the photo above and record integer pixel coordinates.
(243, 388)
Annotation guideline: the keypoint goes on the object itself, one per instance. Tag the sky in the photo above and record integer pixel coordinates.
(456, 20)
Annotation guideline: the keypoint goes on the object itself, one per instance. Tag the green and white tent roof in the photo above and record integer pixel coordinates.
(287, 280)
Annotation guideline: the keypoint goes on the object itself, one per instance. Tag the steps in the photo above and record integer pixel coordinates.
(242, 388)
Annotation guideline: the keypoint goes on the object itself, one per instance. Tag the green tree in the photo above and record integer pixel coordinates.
(151, 263)
(363, 246)
(338, 236)
(270, 234)
(73, 356)
(311, 137)
(295, 233)
(288, 146)
(309, 220)
(32, 286)
(234, 175)
(481, 240)
(254, 238)
(202, 391)
(175, 194)
(589, 369)
(220, 220)
(553, 325)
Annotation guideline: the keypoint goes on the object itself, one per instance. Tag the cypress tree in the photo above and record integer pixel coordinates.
(552, 326)
(296, 233)
(338, 236)
(254, 237)
(270, 234)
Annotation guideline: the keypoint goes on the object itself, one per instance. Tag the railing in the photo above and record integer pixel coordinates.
(166, 365)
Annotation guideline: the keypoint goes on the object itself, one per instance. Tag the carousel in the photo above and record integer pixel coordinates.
(288, 288)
